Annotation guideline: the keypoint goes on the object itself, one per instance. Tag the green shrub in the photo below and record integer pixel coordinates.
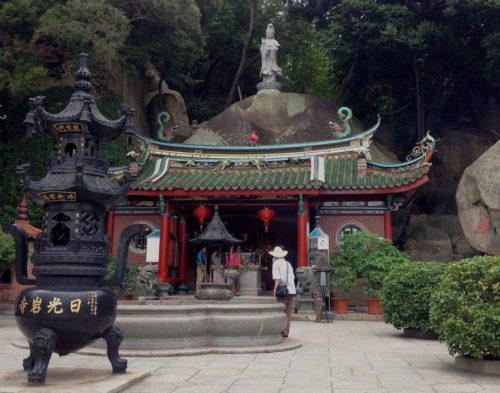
(465, 309)
(371, 258)
(7, 251)
(130, 283)
(342, 274)
(406, 294)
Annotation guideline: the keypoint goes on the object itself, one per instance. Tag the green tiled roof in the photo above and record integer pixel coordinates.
(341, 173)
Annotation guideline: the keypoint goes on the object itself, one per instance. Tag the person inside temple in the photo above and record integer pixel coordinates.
(217, 269)
(201, 261)
(233, 257)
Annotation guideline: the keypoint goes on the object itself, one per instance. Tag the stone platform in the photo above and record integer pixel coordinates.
(66, 379)
(287, 344)
(190, 323)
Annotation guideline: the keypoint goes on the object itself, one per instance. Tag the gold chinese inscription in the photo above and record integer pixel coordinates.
(36, 305)
(92, 302)
(68, 127)
(22, 304)
(57, 196)
(75, 305)
(55, 305)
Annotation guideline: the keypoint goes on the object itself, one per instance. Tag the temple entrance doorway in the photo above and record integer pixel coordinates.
(242, 221)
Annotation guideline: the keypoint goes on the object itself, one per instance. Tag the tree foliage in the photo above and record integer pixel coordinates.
(7, 251)
(431, 61)
(437, 52)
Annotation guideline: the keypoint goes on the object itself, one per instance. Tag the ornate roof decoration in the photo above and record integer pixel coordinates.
(423, 148)
(340, 164)
(344, 128)
(22, 220)
(359, 143)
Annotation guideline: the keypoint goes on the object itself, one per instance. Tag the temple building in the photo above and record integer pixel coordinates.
(270, 164)
(266, 195)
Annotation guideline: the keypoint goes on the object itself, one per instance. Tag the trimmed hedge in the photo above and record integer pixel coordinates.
(465, 309)
(406, 294)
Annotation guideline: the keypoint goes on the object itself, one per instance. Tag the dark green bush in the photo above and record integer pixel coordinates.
(406, 294)
(371, 258)
(465, 309)
(342, 273)
(7, 251)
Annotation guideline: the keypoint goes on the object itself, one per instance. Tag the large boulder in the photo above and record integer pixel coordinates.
(278, 118)
(141, 92)
(478, 202)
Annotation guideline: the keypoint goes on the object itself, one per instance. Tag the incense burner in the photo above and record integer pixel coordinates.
(69, 306)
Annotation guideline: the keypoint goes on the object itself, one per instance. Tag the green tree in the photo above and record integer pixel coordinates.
(91, 25)
(436, 59)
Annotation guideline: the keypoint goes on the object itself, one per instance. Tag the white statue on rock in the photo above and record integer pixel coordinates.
(269, 53)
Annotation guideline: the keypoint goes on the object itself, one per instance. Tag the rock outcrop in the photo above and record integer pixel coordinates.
(278, 118)
(275, 117)
(436, 238)
(478, 202)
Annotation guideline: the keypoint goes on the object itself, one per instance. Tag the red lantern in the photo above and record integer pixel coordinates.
(202, 213)
(266, 215)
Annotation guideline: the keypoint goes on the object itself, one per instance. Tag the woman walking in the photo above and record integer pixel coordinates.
(284, 283)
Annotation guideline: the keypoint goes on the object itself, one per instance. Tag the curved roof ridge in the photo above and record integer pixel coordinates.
(263, 148)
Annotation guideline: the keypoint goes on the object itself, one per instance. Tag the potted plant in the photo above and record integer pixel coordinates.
(372, 257)
(343, 277)
(406, 296)
(465, 313)
(130, 283)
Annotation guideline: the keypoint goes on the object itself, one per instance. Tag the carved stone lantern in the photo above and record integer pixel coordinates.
(69, 306)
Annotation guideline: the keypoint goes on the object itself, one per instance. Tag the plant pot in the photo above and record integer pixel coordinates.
(340, 305)
(482, 366)
(374, 306)
(128, 296)
(420, 334)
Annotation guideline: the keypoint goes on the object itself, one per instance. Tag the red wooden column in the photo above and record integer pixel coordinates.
(164, 240)
(388, 224)
(182, 231)
(302, 220)
(110, 228)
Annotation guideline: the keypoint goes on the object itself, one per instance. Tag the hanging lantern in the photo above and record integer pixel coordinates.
(266, 215)
(202, 213)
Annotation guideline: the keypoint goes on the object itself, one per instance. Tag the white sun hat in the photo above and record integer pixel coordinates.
(278, 252)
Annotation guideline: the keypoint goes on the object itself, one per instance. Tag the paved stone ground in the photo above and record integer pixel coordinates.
(343, 357)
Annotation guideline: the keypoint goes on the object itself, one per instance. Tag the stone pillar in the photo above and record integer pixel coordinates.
(164, 240)
(182, 233)
(110, 228)
(302, 220)
(388, 224)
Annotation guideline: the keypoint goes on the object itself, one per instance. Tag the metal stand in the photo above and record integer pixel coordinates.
(323, 315)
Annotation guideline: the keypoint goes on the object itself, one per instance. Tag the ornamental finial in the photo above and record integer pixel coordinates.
(83, 75)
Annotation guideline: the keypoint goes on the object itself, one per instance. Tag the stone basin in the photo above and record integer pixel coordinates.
(186, 322)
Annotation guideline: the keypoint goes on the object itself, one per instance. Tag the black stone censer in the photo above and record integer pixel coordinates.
(69, 306)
